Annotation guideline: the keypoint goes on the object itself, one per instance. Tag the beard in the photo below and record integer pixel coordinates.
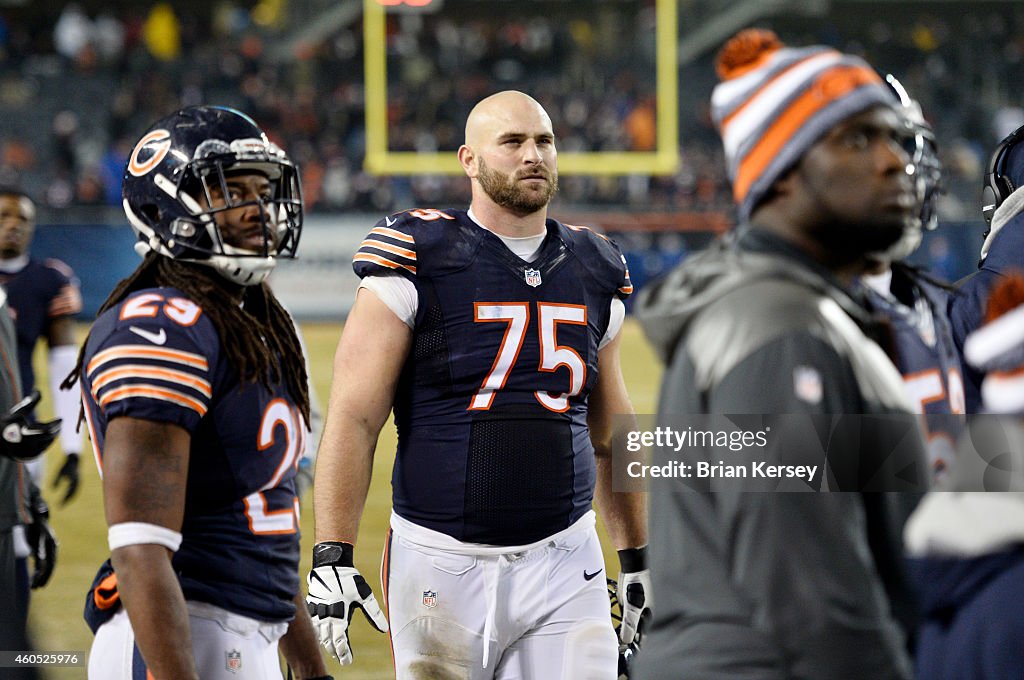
(851, 238)
(505, 189)
(859, 238)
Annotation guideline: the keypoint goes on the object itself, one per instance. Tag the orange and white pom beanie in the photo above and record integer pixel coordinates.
(774, 102)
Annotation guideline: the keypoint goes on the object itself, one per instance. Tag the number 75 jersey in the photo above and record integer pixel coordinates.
(157, 356)
(491, 406)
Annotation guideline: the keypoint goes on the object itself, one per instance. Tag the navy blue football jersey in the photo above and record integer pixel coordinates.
(927, 359)
(156, 356)
(491, 407)
(39, 292)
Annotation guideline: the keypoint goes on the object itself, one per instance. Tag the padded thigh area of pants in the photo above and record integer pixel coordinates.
(430, 647)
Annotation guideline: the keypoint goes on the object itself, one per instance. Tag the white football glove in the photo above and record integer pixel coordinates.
(634, 593)
(336, 590)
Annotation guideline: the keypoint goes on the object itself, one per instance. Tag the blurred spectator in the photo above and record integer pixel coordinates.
(65, 127)
(71, 33)
(162, 32)
(593, 69)
(108, 35)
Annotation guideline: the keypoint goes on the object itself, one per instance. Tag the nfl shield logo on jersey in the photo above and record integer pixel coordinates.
(807, 384)
(430, 598)
(233, 661)
(532, 277)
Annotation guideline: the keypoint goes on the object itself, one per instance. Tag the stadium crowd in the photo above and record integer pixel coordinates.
(775, 317)
(144, 59)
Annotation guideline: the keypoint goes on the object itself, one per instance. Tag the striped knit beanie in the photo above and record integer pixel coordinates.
(775, 102)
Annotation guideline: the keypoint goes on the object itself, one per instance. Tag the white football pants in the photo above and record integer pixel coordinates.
(226, 647)
(539, 614)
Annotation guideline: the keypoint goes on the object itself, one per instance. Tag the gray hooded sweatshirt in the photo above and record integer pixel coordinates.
(768, 585)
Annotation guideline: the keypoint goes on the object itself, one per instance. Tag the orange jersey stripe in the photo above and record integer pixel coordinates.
(153, 392)
(105, 595)
(383, 262)
(381, 245)
(832, 85)
(147, 352)
(576, 227)
(68, 301)
(147, 371)
(393, 233)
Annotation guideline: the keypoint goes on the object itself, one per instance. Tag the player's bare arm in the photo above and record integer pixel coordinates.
(372, 349)
(300, 646)
(367, 364)
(145, 469)
(61, 331)
(624, 514)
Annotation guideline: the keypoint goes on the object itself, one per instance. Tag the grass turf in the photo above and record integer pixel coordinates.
(56, 610)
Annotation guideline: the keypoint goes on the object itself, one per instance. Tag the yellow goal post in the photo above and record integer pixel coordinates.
(664, 160)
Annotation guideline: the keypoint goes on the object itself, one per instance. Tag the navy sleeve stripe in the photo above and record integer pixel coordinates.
(147, 391)
(135, 352)
(67, 301)
(382, 261)
(575, 227)
(393, 233)
(388, 248)
(126, 373)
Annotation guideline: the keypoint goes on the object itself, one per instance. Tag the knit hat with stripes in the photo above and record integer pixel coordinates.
(775, 102)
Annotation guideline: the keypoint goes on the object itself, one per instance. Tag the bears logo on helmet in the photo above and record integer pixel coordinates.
(185, 159)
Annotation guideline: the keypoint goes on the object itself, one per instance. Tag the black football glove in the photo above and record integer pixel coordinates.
(69, 472)
(42, 542)
(21, 439)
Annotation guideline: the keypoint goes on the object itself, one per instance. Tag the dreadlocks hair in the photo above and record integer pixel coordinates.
(258, 336)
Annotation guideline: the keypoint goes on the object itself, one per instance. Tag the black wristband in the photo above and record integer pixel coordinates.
(322, 677)
(633, 559)
(333, 554)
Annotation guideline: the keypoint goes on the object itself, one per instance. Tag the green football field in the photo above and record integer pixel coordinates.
(56, 610)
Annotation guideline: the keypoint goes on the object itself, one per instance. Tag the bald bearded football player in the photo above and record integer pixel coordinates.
(493, 333)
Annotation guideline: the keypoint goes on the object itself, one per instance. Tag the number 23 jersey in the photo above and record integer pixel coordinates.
(156, 356)
(491, 405)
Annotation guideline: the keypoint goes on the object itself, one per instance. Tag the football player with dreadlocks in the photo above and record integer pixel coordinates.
(195, 394)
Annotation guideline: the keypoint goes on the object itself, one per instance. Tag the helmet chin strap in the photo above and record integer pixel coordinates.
(247, 270)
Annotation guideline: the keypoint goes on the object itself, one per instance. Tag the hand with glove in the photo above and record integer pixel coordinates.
(68, 472)
(634, 593)
(41, 540)
(336, 590)
(22, 439)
